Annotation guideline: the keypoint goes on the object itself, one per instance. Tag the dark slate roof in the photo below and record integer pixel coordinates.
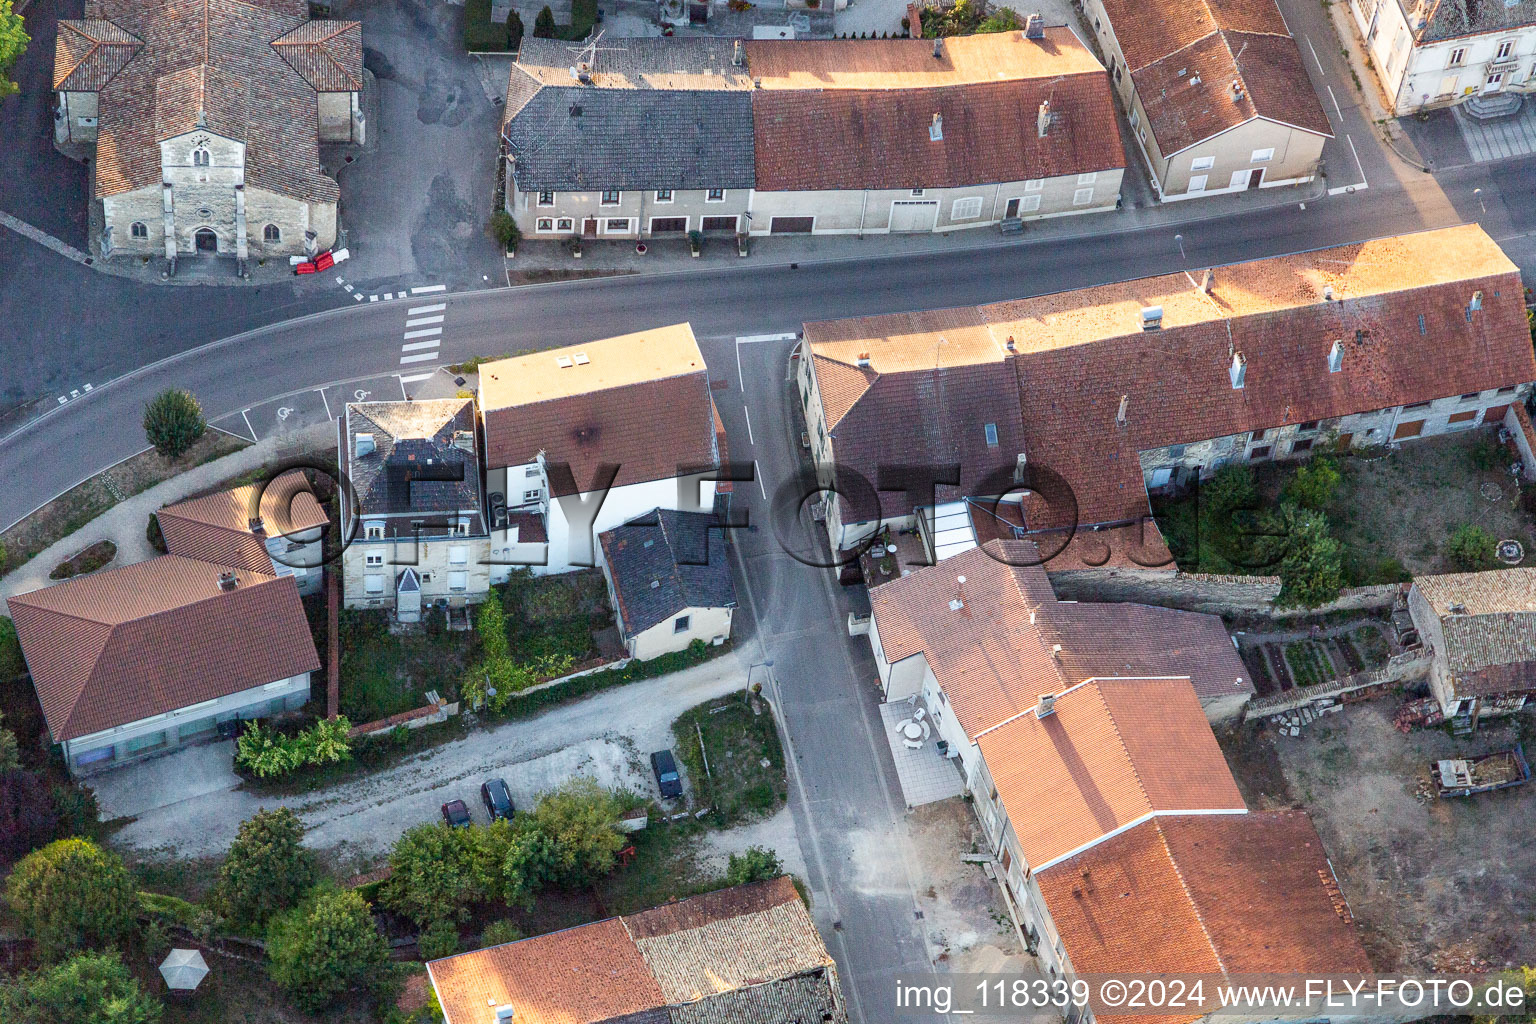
(631, 139)
(666, 561)
(415, 466)
(1451, 19)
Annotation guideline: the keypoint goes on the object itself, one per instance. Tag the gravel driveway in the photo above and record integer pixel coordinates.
(607, 736)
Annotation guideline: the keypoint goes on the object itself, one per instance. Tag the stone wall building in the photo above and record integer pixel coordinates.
(1480, 631)
(205, 122)
(1429, 55)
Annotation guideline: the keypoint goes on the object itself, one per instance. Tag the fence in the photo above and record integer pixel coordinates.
(1356, 686)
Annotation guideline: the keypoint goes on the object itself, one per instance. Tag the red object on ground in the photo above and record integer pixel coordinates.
(304, 268)
(325, 261)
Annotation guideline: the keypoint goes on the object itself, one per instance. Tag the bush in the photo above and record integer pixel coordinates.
(499, 933)
(27, 815)
(11, 661)
(173, 421)
(481, 34)
(323, 947)
(583, 17)
(13, 43)
(77, 811)
(579, 821)
(10, 750)
(754, 864)
(504, 229)
(72, 894)
(1315, 484)
(1311, 569)
(267, 870)
(1470, 548)
(544, 24)
(438, 939)
(438, 872)
(87, 987)
(266, 753)
(154, 536)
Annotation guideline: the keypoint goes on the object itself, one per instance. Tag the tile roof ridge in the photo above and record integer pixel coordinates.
(1194, 906)
(1109, 712)
(1174, 53)
(98, 659)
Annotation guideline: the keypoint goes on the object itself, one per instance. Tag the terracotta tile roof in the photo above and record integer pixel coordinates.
(1185, 55)
(1401, 306)
(1138, 545)
(639, 401)
(1489, 623)
(671, 63)
(632, 968)
(993, 656)
(88, 53)
(1206, 894)
(140, 640)
(1111, 753)
(210, 63)
(801, 64)
(217, 527)
(878, 99)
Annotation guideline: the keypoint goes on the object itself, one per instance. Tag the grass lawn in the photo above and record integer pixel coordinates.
(740, 771)
(383, 674)
(553, 621)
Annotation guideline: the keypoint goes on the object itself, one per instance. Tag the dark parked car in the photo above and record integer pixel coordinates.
(456, 814)
(666, 773)
(497, 798)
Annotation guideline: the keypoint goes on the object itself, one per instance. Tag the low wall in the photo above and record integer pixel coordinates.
(1201, 592)
(431, 714)
(1356, 686)
(1518, 422)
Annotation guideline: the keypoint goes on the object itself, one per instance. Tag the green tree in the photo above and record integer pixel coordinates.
(1311, 569)
(325, 946)
(504, 230)
(438, 939)
(267, 870)
(173, 421)
(1470, 547)
(579, 821)
(438, 872)
(10, 750)
(544, 24)
(11, 662)
(92, 987)
(1315, 483)
(72, 894)
(13, 43)
(754, 864)
(499, 933)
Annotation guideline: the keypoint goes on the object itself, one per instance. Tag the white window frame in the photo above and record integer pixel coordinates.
(917, 193)
(665, 195)
(1088, 179)
(565, 224)
(1457, 57)
(970, 210)
(1082, 196)
(374, 559)
(1202, 163)
(546, 202)
(1506, 49)
(546, 224)
(373, 584)
(711, 197)
(603, 200)
(138, 229)
(1197, 182)
(1262, 156)
(201, 157)
(608, 229)
(458, 554)
(373, 531)
(458, 580)
(1034, 185)
(534, 495)
(1029, 204)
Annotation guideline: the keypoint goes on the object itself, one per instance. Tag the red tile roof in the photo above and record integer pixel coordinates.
(217, 527)
(993, 655)
(1216, 894)
(128, 643)
(1112, 752)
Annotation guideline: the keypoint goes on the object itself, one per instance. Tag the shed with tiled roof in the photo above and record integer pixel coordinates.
(1480, 631)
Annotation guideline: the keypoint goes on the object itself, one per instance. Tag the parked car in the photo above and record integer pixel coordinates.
(497, 798)
(665, 767)
(456, 814)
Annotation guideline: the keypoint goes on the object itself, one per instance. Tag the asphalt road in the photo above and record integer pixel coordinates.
(71, 442)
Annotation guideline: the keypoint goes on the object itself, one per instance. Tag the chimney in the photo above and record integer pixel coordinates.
(938, 49)
(1043, 118)
(1034, 27)
(1056, 651)
(1237, 90)
(864, 359)
(257, 526)
(936, 128)
(1239, 370)
(362, 445)
(503, 1014)
(1125, 400)
(1327, 293)
(1336, 357)
(1047, 704)
(228, 581)
(739, 55)
(464, 440)
(1151, 318)
(1210, 279)
(1011, 345)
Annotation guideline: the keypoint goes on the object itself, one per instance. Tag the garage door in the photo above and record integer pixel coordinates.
(668, 225)
(720, 224)
(792, 225)
(914, 215)
(1413, 428)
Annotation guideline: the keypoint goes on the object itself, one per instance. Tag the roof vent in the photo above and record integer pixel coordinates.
(739, 54)
(1239, 370)
(1056, 651)
(1043, 118)
(1237, 90)
(1047, 703)
(1336, 357)
(1457, 608)
(564, 362)
(464, 439)
(504, 1014)
(936, 127)
(1125, 400)
(1034, 27)
(863, 360)
(575, 109)
(956, 604)
(580, 358)
(362, 445)
(1151, 318)
(228, 581)
(655, 584)
(1327, 293)
(257, 526)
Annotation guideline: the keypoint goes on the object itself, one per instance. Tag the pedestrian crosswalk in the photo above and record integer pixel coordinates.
(423, 333)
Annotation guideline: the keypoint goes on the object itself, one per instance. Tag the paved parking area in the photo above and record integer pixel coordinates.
(925, 775)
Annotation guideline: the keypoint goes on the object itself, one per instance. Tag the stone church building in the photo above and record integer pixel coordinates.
(206, 118)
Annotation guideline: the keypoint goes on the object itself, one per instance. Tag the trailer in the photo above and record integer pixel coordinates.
(1464, 776)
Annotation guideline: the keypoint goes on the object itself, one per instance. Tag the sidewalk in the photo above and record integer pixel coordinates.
(672, 255)
(125, 522)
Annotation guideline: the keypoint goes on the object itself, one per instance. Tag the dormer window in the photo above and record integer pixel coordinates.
(1336, 357)
(1239, 370)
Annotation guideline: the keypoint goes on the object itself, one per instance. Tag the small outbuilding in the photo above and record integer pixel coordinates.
(669, 581)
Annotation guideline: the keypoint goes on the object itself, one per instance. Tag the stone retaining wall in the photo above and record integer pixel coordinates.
(1357, 686)
(1200, 592)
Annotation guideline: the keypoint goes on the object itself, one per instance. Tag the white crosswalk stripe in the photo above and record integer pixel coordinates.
(436, 307)
(427, 289)
(425, 332)
(417, 346)
(418, 359)
(422, 321)
(425, 323)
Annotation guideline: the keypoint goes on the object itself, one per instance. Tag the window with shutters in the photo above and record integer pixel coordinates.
(458, 581)
(968, 208)
(458, 554)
